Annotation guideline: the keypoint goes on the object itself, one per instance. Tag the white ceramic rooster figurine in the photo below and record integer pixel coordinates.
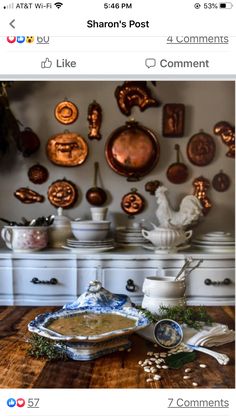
(189, 212)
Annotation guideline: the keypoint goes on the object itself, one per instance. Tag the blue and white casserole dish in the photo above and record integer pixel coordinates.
(96, 300)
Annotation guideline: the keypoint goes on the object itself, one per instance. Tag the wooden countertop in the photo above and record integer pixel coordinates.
(118, 370)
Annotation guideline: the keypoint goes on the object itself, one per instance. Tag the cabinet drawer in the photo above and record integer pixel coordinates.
(46, 282)
(119, 280)
(5, 281)
(84, 276)
(212, 283)
(44, 263)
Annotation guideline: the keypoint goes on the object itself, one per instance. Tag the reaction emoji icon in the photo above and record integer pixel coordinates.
(20, 402)
(30, 39)
(20, 39)
(11, 39)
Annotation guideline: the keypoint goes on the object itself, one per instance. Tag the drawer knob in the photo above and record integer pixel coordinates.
(226, 281)
(130, 285)
(52, 281)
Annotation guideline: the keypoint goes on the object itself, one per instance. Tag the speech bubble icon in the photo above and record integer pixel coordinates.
(150, 62)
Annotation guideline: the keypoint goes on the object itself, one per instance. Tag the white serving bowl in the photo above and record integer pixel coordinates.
(90, 230)
(166, 238)
(164, 287)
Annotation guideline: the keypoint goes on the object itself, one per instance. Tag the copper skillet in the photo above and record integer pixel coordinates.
(177, 172)
(132, 150)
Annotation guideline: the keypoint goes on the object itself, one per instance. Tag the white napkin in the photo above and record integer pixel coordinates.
(215, 335)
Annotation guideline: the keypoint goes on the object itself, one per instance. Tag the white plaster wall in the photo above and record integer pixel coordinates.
(207, 102)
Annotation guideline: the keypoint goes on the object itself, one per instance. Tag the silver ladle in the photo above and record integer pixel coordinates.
(187, 263)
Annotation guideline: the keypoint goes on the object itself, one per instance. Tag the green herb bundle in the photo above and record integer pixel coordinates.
(191, 316)
(41, 347)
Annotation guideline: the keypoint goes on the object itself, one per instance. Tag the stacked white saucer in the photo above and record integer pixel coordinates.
(130, 236)
(215, 241)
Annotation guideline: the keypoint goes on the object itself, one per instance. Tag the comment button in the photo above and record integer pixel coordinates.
(150, 62)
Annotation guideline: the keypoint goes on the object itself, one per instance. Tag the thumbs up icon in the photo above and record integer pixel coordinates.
(46, 64)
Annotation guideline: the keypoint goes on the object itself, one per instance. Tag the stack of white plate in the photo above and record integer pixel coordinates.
(89, 246)
(215, 241)
(130, 236)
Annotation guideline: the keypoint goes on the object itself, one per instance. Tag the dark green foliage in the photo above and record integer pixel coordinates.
(191, 316)
(176, 361)
(41, 347)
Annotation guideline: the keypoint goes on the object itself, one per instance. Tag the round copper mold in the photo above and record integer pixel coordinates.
(221, 182)
(132, 150)
(132, 203)
(38, 174)
(66, 112)
(201, 149)
(62, 193)
(67, 149)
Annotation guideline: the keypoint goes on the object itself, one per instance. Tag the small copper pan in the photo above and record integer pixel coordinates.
(177, 172)
(96, 196)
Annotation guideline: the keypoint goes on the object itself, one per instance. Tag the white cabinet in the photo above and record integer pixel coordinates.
(43, 282)
(6, 288)
(126, 281)
(84, 276)
(211, 286)
(56, 277)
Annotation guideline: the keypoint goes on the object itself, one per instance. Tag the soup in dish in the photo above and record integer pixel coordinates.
(90, 324)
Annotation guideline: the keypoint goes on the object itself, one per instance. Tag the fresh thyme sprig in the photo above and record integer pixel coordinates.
(41, 347)
(191, 316)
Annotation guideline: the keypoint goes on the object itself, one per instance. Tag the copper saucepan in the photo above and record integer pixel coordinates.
(96, 196)
(177, 172)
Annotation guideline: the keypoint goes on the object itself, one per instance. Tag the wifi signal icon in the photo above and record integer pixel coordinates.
(58, 4)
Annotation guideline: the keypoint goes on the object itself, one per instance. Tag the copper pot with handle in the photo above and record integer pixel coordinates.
(96, 196)
(177, 172)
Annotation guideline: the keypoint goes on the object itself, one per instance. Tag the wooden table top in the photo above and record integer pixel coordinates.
(118, 370)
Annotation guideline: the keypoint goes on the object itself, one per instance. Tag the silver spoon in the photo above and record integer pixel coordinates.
(221, 358)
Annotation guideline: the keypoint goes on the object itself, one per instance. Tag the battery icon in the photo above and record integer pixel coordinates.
(226, 5)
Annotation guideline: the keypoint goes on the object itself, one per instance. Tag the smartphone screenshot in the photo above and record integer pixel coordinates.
(117, 209)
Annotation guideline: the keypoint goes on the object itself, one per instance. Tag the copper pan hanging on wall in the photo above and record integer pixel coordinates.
(132, 150)
(177, 172)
